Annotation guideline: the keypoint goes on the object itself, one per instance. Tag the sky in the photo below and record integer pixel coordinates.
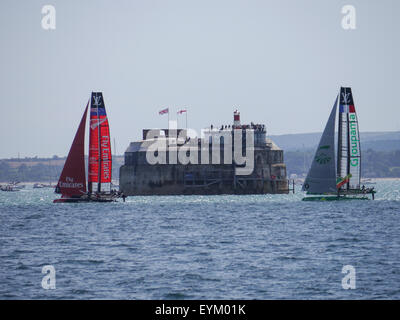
(280, 63)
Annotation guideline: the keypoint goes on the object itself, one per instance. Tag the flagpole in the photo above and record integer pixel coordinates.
(177, 120)
(186, 119)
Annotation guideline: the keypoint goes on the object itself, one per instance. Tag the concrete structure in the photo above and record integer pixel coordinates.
(175, 177)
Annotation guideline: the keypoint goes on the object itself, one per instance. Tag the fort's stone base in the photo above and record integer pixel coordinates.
(200, 179)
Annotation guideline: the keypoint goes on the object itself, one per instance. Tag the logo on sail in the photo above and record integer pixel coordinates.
(346, 97)
(69, 183)
(323, 158)
(105, 160)
(96, 123)
(342, 181)
(96, 100)
(354, 136)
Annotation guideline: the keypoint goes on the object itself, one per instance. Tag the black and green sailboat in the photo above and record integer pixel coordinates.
(337, 177)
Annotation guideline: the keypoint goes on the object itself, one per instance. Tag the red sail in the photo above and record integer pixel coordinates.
(72, 182)
(100, 161)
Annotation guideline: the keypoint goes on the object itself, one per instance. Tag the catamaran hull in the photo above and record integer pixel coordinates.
(326, 198)
(76, 200)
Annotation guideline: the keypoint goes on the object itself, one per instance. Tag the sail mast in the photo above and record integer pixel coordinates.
(99, 144)
(348, 148)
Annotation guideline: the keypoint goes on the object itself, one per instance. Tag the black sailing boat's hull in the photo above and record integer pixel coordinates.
(334, 198)
(349, 195)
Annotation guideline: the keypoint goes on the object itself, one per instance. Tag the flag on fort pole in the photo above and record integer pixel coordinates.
(183, 111)
(165, 111)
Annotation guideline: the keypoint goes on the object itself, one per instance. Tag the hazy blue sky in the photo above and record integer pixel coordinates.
(279, 62)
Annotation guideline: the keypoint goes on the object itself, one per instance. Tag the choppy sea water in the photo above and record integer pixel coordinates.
(200, 247)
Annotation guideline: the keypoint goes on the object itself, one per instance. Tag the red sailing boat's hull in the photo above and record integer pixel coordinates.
(75, 200)
(63, 200)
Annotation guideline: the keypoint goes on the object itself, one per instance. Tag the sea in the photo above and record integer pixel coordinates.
(200, 247)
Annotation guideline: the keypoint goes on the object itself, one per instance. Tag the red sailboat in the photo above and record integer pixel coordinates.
(72, 182)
